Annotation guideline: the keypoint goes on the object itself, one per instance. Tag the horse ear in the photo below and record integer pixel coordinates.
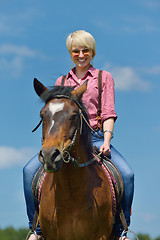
(80, 90)
(39, 87)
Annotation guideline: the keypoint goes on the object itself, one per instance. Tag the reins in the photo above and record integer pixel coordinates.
(77, 164)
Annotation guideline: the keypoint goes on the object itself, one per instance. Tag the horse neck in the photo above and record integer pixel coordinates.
(82, 148)
(69, 173)
(70, 183)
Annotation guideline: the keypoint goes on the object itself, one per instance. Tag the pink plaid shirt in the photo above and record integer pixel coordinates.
(90, 97)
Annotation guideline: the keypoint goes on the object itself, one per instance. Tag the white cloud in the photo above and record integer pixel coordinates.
(3, 26)
(10, 26)
(17, 50)
(17, 22)
(128, 24)
(154, 70)
(10, 156)
(127, 79)
(12, 67)
(140, 24)
(13, 59)
(154, 4)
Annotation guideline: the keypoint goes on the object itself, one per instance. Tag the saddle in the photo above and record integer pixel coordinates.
(113, 175)
(37, 184)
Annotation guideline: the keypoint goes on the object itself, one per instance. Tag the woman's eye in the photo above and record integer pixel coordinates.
(86, 50)
(75, 51)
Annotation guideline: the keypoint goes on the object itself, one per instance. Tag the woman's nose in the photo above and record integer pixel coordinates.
(81, 53)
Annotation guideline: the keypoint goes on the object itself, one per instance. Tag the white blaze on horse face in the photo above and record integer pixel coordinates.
(51, 126)
(54, 108)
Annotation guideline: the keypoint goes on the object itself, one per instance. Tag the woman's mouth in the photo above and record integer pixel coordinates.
(81, 60)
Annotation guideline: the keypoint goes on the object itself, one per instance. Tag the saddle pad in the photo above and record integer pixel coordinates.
(115, 181)
(114, 174)
(116, 178)
(110, 184)
(37, 184)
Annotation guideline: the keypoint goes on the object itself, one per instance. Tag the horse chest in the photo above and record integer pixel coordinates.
(69, 216)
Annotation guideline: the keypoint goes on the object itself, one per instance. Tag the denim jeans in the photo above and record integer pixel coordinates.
(126, 172)
(28, 174)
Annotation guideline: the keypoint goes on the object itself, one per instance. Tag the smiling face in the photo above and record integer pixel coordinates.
(81, 56)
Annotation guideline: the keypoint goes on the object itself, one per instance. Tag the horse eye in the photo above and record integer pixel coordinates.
(73, 117)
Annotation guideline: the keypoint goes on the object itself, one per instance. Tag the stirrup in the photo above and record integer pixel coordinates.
(29, 234)
(128, 231)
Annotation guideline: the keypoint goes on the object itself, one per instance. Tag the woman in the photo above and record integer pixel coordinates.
(82, 48)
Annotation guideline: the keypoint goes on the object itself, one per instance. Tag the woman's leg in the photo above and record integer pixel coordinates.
(128, 179)
(28, 174)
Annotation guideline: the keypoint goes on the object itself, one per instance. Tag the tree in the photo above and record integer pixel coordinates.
(158, 238)
(12, 234)
(143, 236)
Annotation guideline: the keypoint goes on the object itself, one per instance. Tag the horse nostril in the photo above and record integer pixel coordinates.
(55, 154)
(41, 154)
(41, 157)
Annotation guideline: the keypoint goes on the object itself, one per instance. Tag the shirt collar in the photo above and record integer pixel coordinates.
(90, 71)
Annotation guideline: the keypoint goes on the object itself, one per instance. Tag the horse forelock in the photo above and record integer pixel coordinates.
(56, 91)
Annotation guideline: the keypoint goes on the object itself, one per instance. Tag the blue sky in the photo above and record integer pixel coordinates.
(32, 44)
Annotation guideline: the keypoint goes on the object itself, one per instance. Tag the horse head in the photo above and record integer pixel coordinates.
(60, 119)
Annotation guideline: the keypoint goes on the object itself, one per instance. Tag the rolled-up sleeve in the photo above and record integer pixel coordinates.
(108, 97)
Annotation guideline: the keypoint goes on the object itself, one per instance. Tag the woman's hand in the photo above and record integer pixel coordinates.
(105, 149)
(108, 126)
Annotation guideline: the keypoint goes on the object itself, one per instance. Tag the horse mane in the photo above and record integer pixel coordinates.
(65, 91)
(56, 91)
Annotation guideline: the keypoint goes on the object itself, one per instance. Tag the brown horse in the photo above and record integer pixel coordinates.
(76, 199)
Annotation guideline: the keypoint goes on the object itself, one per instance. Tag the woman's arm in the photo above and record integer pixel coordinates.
(108, 126)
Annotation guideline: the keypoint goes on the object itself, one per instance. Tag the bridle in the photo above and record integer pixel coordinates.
(66, 151)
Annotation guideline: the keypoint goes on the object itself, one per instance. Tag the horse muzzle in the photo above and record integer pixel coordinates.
(51, 159)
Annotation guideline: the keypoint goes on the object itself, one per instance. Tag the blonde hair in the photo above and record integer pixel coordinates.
(81, 38)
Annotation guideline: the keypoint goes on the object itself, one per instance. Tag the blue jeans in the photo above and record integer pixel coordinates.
(126, 172)
(28, 174)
